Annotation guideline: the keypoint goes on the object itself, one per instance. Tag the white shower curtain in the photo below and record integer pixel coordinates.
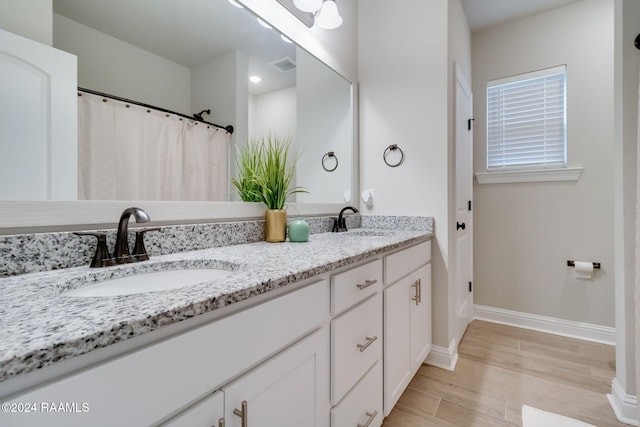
(128, 152)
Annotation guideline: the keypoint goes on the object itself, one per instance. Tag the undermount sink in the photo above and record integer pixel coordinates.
(149, 282)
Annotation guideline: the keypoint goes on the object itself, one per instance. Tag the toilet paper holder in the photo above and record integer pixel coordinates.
(572, 263)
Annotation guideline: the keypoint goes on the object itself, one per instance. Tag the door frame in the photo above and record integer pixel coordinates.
(461, 82)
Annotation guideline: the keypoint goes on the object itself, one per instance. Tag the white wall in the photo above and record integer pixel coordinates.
(273, 112)
(627, 61)
(404, 62)
(322, 93)
(525, 233)
(28, 18)
(112, 66)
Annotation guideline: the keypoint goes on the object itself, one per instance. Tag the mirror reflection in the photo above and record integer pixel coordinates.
(196, 57)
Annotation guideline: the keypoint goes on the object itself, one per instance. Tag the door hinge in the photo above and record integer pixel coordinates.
(469, 205)
(470, 286)
(469, 123)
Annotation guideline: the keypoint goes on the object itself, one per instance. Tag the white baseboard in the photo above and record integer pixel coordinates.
(551, 325)
(443, 357)
(624, 405)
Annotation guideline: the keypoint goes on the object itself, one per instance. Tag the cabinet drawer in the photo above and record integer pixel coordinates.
(355, 285)
(356, 339)
(401, 263)
(363, 403)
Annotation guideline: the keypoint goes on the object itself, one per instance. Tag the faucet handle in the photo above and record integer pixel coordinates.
(101, 258)
(139, 251)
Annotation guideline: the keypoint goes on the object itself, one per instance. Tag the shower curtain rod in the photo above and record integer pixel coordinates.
(228, 128)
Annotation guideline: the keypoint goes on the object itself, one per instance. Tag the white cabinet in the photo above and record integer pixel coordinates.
(338, 350)
(407, 321)
(356, 346)
(157, 382)
(209, 412)
(287, 390)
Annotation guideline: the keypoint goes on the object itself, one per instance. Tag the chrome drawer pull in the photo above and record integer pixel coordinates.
(242, 414)
(221, 422)
(371, 416)
(419, 290)
(366, 284)
(370, 341)
(416, 285)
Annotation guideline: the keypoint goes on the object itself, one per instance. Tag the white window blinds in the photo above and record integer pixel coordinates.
(526, 120)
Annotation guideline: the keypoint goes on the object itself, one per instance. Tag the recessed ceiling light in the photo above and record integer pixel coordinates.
(264, 24)
(236, 4)
(284, 39)
(255, 79)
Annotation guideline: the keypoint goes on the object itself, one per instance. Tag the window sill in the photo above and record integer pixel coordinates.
(541, 175)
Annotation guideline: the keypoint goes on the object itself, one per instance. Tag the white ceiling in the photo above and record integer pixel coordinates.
(486, 13)
(188, 32)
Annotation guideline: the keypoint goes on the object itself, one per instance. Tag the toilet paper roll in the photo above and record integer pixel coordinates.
(584, 270)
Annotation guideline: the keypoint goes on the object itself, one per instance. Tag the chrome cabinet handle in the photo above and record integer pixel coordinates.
(370, 340)
(419, 290)
(221, 422)
(242, 414)
(371, 416)
(416, 285)
(366, 284)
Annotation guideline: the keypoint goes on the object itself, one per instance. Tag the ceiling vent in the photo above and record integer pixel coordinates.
(284, 64)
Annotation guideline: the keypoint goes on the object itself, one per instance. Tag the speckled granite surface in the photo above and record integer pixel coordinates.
(42, 325)
(29, 253)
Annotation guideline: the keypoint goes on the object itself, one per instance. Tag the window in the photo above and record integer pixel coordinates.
(526, 121)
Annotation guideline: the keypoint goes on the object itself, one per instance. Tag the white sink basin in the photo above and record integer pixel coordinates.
(149, 282)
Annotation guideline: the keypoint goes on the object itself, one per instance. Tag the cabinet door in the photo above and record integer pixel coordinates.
(290, 389)
(421, 317)
(206, 413)
(397, 341)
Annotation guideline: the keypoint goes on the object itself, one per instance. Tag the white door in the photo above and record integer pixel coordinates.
(286, 390)
(464, 205)
(38, 121)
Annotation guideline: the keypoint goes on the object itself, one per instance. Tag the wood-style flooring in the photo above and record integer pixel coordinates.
(499, 369)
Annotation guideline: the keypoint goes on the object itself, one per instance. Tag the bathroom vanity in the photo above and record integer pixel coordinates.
(295, 335)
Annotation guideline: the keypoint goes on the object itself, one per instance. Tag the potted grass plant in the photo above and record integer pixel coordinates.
(266, 168)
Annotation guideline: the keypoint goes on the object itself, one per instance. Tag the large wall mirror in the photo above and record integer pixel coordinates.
(196, 55)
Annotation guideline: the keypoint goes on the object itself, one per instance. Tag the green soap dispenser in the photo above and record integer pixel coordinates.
(298, 230)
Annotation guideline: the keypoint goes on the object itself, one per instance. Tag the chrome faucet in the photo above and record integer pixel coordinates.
(121, 252)
(339, 224)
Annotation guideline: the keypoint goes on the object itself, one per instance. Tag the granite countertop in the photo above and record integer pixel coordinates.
(42, 325)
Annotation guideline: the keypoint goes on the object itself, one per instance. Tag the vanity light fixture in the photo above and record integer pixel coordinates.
(328, 16)
(255, 79)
